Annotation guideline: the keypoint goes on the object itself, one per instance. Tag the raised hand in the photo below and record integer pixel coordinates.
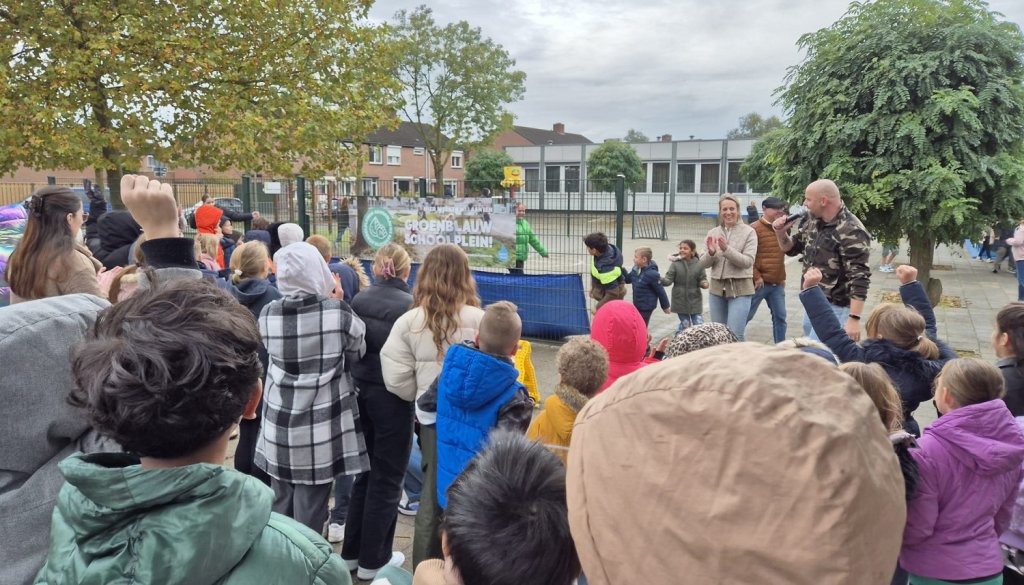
(723, 244)
(812, 277)
(152, 205)
(712, 245)
(906, 273)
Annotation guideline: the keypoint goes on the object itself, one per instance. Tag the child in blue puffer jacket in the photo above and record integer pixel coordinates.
(647, 288)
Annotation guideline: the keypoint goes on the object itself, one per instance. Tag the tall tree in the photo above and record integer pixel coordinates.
(754, 125)
(916, 109)
(610, 160)
(486, 169)
(635, 136)
(212, 82)
(456, 84)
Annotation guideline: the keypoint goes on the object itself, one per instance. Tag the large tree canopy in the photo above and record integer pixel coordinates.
(635, 136)
(611, 159)
(226, 84)
(916, 109)
(456, 84)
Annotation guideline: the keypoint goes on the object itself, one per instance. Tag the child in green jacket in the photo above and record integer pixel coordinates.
(524, 239)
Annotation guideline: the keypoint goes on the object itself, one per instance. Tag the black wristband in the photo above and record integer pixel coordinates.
(855, 317)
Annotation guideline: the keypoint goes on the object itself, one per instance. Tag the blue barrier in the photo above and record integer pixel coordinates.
(552, 306)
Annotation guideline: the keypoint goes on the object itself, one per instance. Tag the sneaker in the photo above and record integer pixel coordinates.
(397, 559)
(408, 508)
(335, 533)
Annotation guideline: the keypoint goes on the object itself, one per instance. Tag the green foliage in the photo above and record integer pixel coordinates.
(635, 136)
(753, 125)
(193, 82)
(611, 159)
(486, 169)
(916, 109)
(456, 84)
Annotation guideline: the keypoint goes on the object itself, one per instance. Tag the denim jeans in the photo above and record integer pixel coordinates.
(414, 474)
(732, 312)
(342, 491)
(841, 313)
(1020, 281)
(689, 320)
(775, 296)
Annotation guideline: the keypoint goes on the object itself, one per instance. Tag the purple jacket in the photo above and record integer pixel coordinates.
(970, 470)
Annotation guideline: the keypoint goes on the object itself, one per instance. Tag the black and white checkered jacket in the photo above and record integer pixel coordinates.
(311, 430)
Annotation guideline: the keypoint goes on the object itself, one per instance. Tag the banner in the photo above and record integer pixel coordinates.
(486, 231)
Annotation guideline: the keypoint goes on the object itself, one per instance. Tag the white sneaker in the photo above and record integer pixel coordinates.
(335, 533)
(397, 559)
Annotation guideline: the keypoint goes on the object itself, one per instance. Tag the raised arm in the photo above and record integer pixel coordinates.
(824, 321)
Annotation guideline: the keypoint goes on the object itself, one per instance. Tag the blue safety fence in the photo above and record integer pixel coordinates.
(552, 306)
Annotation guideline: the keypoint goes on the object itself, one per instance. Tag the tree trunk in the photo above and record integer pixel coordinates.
(922, 253)
(362, 207)
(114, 181)
(439, 179)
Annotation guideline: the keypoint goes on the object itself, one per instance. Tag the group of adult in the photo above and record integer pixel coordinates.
(746, 263)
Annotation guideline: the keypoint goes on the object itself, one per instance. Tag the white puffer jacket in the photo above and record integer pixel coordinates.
(409, 359)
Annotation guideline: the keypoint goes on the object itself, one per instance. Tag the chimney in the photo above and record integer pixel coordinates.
(666, 138)
(559, 128)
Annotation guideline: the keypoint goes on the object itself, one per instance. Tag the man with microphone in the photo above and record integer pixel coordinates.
(833, 240)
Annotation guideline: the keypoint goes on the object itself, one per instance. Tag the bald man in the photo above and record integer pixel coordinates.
(834, 241)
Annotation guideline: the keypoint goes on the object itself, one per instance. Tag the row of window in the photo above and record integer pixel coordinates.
(690, 178)
(394, 154)
(372, 187)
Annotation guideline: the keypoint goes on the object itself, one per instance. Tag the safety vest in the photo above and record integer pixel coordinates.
(605, 278)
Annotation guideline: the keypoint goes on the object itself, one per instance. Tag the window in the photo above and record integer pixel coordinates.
(394, 155)
(735, 183)
(345, 188)
(151, 161)
(552, 179)
(532, 180)
(686, 178)
(369, 187)
(641, 185)
(376, 155)
(456, 159)
(418, 151)
(451, 186)
(709, 177)
(401, 186)
(659, 177)
(572, 179)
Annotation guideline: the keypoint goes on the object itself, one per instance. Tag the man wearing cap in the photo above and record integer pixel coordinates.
(770, 268)
(833, 240)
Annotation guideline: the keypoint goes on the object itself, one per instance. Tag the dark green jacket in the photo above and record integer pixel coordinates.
(686, 276)
(526, 238)
(197, 525)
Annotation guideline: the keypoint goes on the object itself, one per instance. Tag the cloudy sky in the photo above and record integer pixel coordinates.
(679, 67)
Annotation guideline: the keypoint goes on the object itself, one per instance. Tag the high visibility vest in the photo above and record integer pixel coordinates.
(605, 278)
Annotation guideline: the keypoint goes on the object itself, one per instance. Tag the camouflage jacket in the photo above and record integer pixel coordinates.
(840, 249)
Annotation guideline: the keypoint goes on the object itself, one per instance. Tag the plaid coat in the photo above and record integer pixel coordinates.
(311, 431)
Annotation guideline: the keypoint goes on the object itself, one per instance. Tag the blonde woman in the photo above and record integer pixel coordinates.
(445, 311)
(729, 263)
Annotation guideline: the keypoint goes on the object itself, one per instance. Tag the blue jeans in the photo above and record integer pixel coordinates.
(731, 312)
(1020, 280)
(414, 474)
(841, 313)
(775, 296)
(688, 320)
(342, 490)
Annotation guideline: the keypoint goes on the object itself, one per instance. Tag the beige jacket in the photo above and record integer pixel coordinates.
(692, 470)
(79, 278)
(409, 358)
(732, 272)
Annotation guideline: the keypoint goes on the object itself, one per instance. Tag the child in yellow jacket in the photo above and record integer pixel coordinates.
(582, 368)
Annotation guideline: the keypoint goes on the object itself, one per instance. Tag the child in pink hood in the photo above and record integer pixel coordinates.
(620, 329)
(969, 465)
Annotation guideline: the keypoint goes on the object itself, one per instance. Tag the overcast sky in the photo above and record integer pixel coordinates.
(679, 67)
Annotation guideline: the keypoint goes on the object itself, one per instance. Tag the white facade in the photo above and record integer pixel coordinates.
(685, 176)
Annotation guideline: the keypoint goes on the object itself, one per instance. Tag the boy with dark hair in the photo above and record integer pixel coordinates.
(607, 281)
(507, 520)
(647, 288)
(168, 510)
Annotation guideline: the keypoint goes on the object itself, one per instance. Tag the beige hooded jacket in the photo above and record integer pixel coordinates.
(695, 470)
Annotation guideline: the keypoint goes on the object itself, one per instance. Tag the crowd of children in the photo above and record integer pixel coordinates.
(645, 464)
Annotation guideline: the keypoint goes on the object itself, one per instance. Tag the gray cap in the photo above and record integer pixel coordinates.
(773, 203)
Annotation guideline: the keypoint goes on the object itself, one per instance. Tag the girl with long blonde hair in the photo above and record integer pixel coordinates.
(445, 311)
